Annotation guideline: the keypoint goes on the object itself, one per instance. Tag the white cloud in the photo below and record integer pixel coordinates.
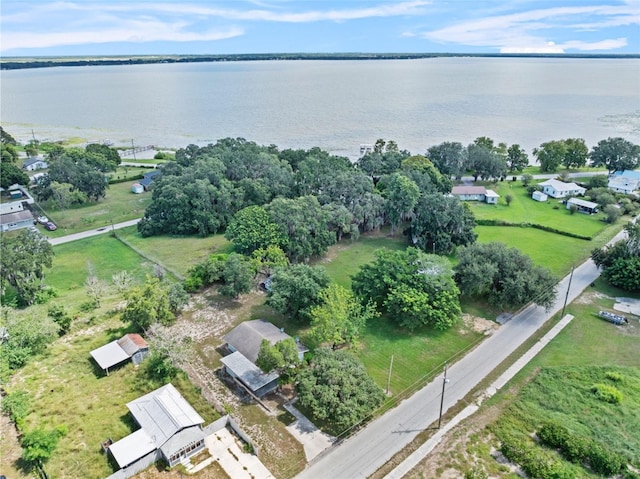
(531, 31)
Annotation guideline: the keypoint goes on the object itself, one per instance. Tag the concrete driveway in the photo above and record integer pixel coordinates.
(224, 449)
(312, 439)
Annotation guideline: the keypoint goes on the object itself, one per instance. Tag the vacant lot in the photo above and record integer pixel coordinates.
(556, 385)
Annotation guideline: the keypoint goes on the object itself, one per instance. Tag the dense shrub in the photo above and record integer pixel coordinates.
(607, 393)
(16, 406)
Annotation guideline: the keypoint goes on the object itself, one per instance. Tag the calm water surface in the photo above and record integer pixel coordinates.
(332, 104)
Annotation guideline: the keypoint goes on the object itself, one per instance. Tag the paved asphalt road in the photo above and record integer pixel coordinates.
(362, 454)
(87, 234)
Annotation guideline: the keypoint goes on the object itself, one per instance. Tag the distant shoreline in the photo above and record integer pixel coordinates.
(18, 63)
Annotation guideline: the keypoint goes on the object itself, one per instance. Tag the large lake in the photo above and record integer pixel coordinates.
(336, 105)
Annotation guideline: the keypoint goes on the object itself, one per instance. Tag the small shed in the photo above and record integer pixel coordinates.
(250, 375)
(15, 194)
(137, 188)
(583, 206)
(130, 346)
(539, 196)
(491, 197)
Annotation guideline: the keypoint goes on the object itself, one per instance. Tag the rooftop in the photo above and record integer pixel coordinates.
(247, 337)
(468, 190)
(250, 374)
(561, 185)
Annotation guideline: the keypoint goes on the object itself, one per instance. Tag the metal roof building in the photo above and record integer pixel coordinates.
(130, 346)
(250, 375)
(168, 423)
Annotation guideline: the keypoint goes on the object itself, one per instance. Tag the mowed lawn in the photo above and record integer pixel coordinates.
(119, 205)
(177, 253)
(523, 209)
(104, 254)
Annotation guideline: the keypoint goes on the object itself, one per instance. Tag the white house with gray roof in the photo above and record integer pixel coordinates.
(560, 189)
(170, 429)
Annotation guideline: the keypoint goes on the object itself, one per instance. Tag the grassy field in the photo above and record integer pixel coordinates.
(343, 260)
(523, 209)
(119, 205)
(556, 385)
(192, 249)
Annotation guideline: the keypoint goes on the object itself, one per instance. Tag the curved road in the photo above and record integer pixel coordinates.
(362, 454)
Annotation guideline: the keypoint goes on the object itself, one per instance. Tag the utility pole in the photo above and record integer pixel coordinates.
(133, 150)
(444, 383)
(566, 298)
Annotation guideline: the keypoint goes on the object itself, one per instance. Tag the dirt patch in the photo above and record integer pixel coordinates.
(10, 450)
(479, 325)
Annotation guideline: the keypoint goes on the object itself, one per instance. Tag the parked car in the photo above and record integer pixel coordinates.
(50, 226)
(43, 220)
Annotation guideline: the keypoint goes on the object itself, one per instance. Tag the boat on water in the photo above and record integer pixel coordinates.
(616, 319)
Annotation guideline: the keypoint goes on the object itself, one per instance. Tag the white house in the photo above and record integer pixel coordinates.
(170, 429)
(560, 189)
(475, 193)
(539, 196)
(624, 181)
(34, 163)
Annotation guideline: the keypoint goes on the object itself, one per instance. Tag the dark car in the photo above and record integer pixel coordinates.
(50, 226)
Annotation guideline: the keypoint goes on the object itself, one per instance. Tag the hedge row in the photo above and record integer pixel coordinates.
(113, 181)
(535, 463)
(490, 222)
(581, 450)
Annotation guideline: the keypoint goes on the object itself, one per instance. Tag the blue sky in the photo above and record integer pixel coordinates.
(115, 27)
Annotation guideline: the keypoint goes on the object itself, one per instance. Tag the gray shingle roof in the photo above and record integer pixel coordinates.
(247, 336)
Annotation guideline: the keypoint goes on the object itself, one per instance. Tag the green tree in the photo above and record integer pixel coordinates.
(148, 304)
(615, 154)
(251, 228)
(23, 259)
(598, 181)
(103, 157)
(414, 288)
(508, 278)
(269, 357)
(28, 336)
(305, 225)
(576, 153)
(450, 158)
(485, 160)
(38, 445)
(296, 289)
(508, 199)
(337, 390)
(517, 158)
(550, 155)
(612, 213)
(237, 276)
(620, 262)
(442, 223)
(624, 273)
(11, 174)
(266, 260)
(401, 194)
(339, 318)
(6, 138)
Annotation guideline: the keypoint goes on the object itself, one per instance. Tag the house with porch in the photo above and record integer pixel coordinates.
(34, 163)
(475, 193)
(625, 182)
(250, 376)
(170, 429)
(560, 189)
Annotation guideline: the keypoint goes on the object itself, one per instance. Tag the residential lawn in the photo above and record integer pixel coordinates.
(119, 205)
(417, 356)
(177, 253)
(523, 209)
(130, 172)
(554, 251)
(535, 170)
(104, 254)
(343, 260)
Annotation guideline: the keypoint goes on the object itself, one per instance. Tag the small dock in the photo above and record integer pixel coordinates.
(133, 151)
